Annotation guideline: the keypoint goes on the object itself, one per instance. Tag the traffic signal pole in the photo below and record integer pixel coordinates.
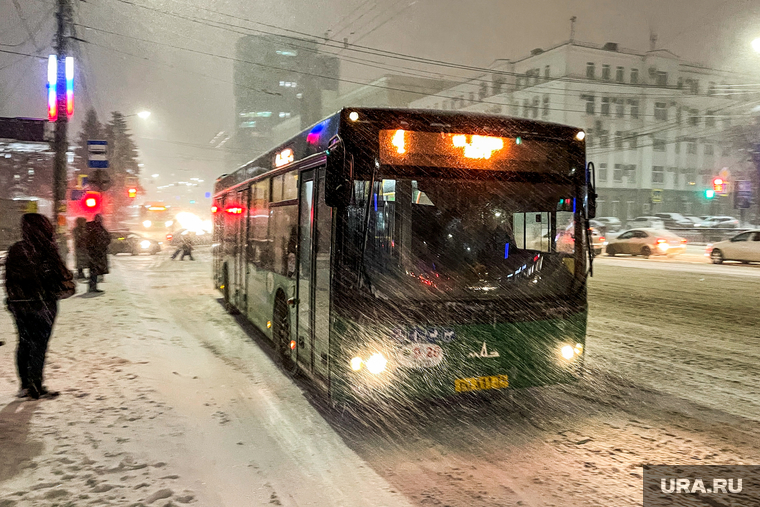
(60, 140)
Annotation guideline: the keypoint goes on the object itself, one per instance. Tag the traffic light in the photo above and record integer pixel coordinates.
(132, 192)
(709, 194)
(719, 186)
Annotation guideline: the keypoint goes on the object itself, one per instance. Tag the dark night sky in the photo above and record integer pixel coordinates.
(190, 94)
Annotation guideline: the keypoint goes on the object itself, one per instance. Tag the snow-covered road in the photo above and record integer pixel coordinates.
(167, 400)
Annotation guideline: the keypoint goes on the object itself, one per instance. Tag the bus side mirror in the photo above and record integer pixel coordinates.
(338, 175)
(591, 191)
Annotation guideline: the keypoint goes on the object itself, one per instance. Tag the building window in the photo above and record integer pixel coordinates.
(679, 115)
(658, 144)
(617, 174)
(605, 106)
(604, 139)
(677, 147)
(619, 140)
(694, 118)
(288, 84)
(526, 108)
(498, 82)
(545, 111)
(590, 70)
(602, 173)
(536, 105)
(472, 98)
(634, 108)
(691, 146)
(483, 90)
(710, 119)
(658, 174)
(630, 173)
(619, 108)
(709, 150)
(633, 140)
(590, 104)
(547, 72)
(711, 88)
(606, 72)
(662, 78)
(661, 111)
(634, 76)
(619, 74)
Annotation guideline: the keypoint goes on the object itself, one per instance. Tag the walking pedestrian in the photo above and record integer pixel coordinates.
(35, 278)
(187, 246)
(80, 246)
(97, 239)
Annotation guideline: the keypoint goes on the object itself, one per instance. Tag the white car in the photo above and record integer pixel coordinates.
(721, 222)
(744, 247)
(646, 242)
(648, 222)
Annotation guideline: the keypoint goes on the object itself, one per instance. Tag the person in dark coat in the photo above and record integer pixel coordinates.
(35, 275)
(98, 240)
(187, 246)
(80, 246)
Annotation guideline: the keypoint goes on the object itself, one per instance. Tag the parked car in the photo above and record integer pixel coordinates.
(697, 221)
(131, 243)
(744, 247)
(646, 242)
(648, 222)
(611, 224)
(675, 220)
(721, 222)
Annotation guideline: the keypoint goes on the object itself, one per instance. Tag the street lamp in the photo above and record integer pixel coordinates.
(756, 45)
(144, 114)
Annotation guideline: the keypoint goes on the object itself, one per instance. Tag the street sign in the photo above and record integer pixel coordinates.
(97, 154)
(100, 179)
(743, 194)
(656, 195)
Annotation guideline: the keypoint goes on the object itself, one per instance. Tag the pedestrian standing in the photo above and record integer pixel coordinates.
(80, 246)
(35, 278)
(97, 239)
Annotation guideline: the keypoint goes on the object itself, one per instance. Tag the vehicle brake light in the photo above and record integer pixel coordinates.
(660, 241)
(169, 237)
(601, 238)
(683, 241)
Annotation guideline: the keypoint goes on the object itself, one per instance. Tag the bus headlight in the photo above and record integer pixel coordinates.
(145, 244)
(376, 363)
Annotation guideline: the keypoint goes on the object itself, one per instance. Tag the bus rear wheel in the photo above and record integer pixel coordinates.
(281, 332)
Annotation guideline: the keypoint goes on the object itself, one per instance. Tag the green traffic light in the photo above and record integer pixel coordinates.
(709, 194)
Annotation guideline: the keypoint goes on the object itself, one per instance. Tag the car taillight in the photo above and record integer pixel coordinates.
(169, 237)
(601, 238)
(683, 241)
(660, 241)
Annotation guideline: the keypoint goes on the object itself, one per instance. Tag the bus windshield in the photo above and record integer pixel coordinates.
(465, 239)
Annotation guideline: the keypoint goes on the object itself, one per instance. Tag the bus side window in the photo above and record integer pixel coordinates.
(259, 244)
(284, 222)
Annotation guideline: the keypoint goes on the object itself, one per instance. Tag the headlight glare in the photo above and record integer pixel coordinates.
(376, 363)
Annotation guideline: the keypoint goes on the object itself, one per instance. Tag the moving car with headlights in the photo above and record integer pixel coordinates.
(695, 221)
(649, 222)
(131, 243)
(721, 222)
(398, 255)
(744, 247)
(646, 242)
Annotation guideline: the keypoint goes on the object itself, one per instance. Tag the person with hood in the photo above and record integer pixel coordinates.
(97, 240)
(80, 246)
(35, 278)
(187, 246)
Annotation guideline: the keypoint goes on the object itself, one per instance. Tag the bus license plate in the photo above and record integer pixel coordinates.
(464, 385)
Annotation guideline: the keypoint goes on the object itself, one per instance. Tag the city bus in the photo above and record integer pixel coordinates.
(412, 254)
(156, 221)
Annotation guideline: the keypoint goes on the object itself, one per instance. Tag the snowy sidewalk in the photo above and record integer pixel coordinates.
(166, 401)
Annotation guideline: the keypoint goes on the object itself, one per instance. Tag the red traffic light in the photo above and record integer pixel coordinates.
(91, 201)
(132, 193)
(719, 186)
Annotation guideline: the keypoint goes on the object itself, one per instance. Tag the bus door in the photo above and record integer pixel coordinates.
(315, 237)
(239, 277)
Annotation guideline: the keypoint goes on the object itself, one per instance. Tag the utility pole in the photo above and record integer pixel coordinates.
(60, 141)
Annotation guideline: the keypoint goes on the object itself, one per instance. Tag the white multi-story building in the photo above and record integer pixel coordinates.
(659, 129)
